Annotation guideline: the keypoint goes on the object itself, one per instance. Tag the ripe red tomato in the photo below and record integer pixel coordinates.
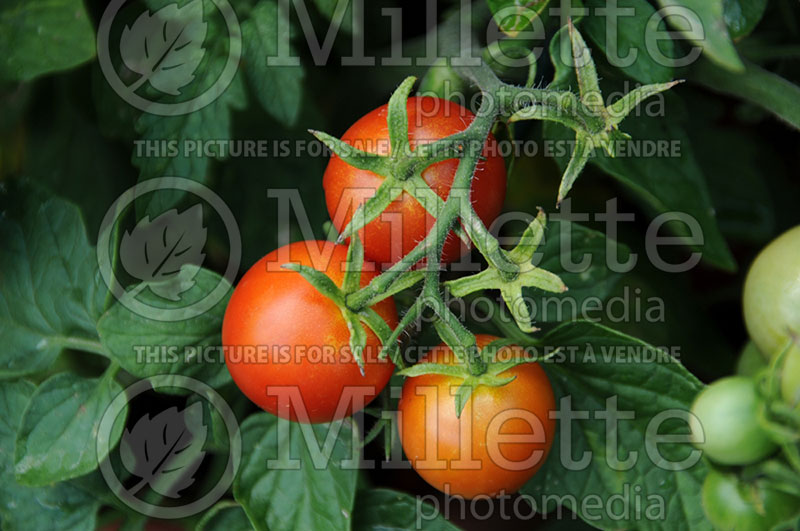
(510, 436)
(405, 222)
(279, 331)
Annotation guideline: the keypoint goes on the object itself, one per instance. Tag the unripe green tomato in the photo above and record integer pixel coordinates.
(732, 504)
(790, 377)
(724, 423)
(772, 294)
(751, 360)
(443, 82)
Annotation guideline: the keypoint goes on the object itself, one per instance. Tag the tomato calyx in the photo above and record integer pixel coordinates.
(401, 168)
(779, 419)
(595, 125)
(492, 374)
(527, 276)
(355, 318)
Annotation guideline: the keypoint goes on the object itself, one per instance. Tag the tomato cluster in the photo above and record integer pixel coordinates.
(288, 345)
(730, 418)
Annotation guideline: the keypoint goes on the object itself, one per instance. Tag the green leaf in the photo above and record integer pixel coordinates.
(42, 36)
(742, 16)
(57, 437)
(225, 516)
(279, 89)
(456, 371)
(593, 379)
(397, 117)
(353, 156)
(383, 509)
(568, 244)
(51, 292)
(513, 16)
(716, 42)
(212, 122)
(735, 165)
(318, 279)
(664, 184)
(626, 40)
(767, 90)
(61, 506)
(191, 347)
(290, 479)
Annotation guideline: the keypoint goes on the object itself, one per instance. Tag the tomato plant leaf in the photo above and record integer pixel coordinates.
(620, 34)
(51, 291)
(58, 432)
(225, 516)
(380, 508)
(663, 184)
(170, 146)
(278, 88)
(57, 507)
(715, 40)
(43, 36)
(290, 480)
(742, 16)
(146, 346)
(580, 257)
(762, 87)
(607, 369)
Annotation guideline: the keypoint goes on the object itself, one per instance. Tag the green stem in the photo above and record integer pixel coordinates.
(82, 344)
(765, 89)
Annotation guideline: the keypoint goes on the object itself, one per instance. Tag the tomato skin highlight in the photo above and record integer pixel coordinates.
(278, 309)
(771, 298)
(405, 222)
(725, 419)
(732, 504)
(430, 419)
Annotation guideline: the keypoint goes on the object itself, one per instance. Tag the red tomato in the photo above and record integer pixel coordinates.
(405, 222)
(510, 436)
(280, 334)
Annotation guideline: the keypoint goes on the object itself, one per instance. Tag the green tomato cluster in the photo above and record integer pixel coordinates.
(725, 424)
(727, 416)
(772, 306)
(731, 503)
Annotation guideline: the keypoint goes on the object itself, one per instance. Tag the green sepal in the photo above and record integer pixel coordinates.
(528, 276)
(580, 156)
(397, 117)
(358, 337)
(430, 201)
(463, 395)
(403, 282)
(621, 108)
(444, 369)
(354, 156)
(373, 207)
(354, 266)
(319, 280)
